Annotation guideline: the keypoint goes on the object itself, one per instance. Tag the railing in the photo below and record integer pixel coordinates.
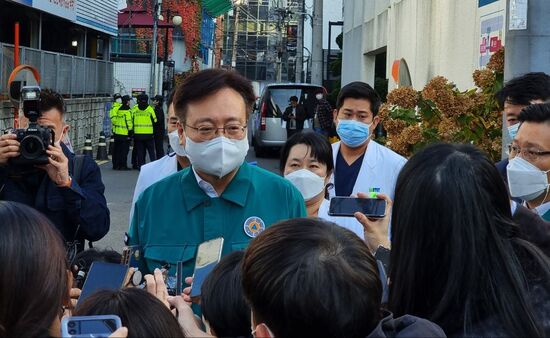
(68, 75)
(129, 46)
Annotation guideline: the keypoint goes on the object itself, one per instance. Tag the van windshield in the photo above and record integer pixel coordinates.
(278, 98)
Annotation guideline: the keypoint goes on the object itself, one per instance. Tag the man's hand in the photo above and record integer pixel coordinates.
(376, 229)
(157, 287)
(187, 291)
(187, 320)
(58, 168)
(9, 148)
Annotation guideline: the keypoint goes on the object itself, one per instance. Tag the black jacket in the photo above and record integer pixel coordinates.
(533, 228)
(82, 204)
(300, 117)
(405, 326)
(159, 127)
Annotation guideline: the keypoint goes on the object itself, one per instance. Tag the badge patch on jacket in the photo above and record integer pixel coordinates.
(253, 226)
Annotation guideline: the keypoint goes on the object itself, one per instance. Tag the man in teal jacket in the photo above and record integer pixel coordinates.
(219, 195)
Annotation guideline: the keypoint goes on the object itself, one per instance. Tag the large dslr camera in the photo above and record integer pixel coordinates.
(34, 140)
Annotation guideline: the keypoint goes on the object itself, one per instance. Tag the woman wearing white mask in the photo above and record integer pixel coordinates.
(306, 161)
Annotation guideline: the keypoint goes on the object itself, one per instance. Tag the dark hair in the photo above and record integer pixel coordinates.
(208, 82)
(50, 99)
(523, 89)
(33, 278)
(359, 90)
(455, 254)
(116, 96)
(222, 300)
(319, 146)
(537, 113)
(142, 313)
(171, 97)
(142, 98)
(84, 260)
(306, 277)
(126, 98)
(293, 98)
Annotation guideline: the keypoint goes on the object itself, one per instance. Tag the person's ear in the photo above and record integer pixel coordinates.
(65, 129)
(263, 331)
(181, 133)
(375, 122)
(335, 115)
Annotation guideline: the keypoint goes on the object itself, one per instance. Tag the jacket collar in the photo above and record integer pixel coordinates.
(372, 153)
(236, 192)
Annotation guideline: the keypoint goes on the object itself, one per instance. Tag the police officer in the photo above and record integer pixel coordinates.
(144, 117)
(117, 102)
(159, 127)
(220, 195)
(121, 120)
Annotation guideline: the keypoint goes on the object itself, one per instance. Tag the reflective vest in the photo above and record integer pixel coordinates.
(143, 120)
(121, 120)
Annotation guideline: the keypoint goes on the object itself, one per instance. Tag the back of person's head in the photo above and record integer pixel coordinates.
(522, 90)
(33, 278)
(142, 313)
(535, 113)
(143, 98)
(126, 99)
(306, 277)
(359, 90)
(222, 300)
(454, 257)
(318, 145)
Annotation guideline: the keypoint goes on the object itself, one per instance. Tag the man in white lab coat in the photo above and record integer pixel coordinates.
(155, 171)
(361, 164)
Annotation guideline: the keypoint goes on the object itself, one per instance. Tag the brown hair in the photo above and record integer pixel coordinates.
(33, 278)
(207, 82)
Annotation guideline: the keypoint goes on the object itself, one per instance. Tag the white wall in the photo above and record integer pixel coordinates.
(428, 34)
(332, 11)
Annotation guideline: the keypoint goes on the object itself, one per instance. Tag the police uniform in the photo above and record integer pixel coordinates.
(143, 133)
(121, 120)
(187, 216)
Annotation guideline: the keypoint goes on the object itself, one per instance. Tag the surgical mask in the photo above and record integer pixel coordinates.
(513, 130)
(175, 144)
(525, 180)
(217, 157)
(118, 100)
(319, 96)
(353, 133)
(308, 183)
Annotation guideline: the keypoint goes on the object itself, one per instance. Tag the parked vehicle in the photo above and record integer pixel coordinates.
(268, 129)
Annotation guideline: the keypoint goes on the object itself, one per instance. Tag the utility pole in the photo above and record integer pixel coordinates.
(153, 81)
(300, 44)
(235, 36)
(317, 52)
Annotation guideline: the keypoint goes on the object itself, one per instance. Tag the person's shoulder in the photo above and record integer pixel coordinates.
(406, 326)
(389, 154)
(167, 185)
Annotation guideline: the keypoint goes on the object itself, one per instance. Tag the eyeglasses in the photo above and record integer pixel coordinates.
(235, 131)
(527, 154)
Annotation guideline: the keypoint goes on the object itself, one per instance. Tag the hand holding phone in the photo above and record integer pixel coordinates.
(103, 276)
(209, 254)
(376, 229)
(348, 206)
(89, 326)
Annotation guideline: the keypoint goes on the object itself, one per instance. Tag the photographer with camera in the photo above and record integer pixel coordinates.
(38, 170)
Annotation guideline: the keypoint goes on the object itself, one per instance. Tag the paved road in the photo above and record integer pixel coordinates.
(119, 190)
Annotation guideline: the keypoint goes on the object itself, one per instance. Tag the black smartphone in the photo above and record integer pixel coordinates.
(348, 206)
(209, 254)
(103, 276)
(89, 326)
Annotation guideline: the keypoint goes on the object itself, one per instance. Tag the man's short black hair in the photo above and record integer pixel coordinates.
(293, 98)
(523, 89)
(208, 82)
(143, 98)
(171, 97)
(306, 277)
(359, 90)
(537, 113)
(50, 99)
(222, 300)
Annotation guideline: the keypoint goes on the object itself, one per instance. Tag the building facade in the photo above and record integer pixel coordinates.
(435, 37)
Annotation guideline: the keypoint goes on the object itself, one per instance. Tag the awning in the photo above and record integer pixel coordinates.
(137, 17)
(217, 7)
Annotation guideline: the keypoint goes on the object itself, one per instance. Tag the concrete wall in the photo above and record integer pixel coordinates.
(85, 116)
(435, 37)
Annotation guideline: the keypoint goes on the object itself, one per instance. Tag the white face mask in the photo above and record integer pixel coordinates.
(175, 143)
(217, 157)
(308, 183)
(319, 96)
(118, 100)
(525, 180)
(513, 130)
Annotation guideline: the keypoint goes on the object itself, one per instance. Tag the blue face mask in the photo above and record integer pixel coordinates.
(353, 133)
(513, 130)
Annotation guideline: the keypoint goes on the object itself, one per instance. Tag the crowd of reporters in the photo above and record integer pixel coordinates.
(462, 263)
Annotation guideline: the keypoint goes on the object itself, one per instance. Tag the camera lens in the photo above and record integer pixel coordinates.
(31, 147)
(72, 332)
(71, 324)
